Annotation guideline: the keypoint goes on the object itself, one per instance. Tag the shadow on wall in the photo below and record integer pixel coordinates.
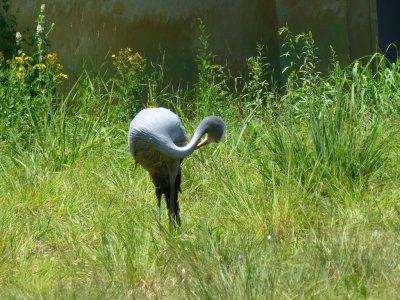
(7, 30)
(389, 28)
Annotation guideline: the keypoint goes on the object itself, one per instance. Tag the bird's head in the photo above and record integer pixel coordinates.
(215, 129)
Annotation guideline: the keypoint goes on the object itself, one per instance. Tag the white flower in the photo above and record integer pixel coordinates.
(42, 7)
(375, 233)
(39, 29)
(18, 36)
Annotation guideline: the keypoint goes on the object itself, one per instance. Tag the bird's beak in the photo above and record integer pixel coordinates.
(203, 143)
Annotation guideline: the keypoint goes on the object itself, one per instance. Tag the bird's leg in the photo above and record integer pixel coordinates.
(158, 194)
(172, 200)
(173, 208)
(176, 192)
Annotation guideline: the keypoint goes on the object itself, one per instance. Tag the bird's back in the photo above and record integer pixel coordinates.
(155, 125)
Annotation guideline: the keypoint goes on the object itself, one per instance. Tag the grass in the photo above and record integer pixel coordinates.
(300, 201)
(90, 230)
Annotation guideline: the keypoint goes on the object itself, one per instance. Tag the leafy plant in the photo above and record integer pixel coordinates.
(258, 90)
(29, 81)
(299, 70)
(129, 83)
(211, 89)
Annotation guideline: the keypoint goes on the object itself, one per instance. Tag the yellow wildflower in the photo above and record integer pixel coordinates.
(28, 58)
(60, 76)
(133, 63)
(51, 58)
(40, 67)
(127, 51)
(117, 59)
(1, 56)
(59, 67)
(19, 59)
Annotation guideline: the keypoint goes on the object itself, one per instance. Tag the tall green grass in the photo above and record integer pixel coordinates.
(300, 201)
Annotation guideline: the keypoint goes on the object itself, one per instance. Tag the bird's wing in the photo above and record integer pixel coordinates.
(156, 126)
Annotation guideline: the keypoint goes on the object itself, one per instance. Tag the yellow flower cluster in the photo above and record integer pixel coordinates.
(134, 63)
(23, 58)
(60, 76)
(40, 67)
(122, 55)
(52, 58)
(25, 66)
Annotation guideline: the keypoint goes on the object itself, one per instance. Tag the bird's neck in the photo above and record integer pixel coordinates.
(169, 149)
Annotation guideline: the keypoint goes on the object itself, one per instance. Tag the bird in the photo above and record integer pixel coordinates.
(158, 142)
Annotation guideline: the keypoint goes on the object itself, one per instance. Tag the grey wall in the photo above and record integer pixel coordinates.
(89, 30)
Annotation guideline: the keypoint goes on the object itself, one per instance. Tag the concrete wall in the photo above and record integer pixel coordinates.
(88, 30)
(348, 25)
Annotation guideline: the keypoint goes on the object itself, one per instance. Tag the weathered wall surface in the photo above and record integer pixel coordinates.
(347, 25)
(92, 28)
(325, 19)
(362, 27)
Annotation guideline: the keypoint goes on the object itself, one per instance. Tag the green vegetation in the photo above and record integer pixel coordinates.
(300, 201)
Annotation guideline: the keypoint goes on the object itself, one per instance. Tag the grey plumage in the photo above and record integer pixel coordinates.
(158, 142)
